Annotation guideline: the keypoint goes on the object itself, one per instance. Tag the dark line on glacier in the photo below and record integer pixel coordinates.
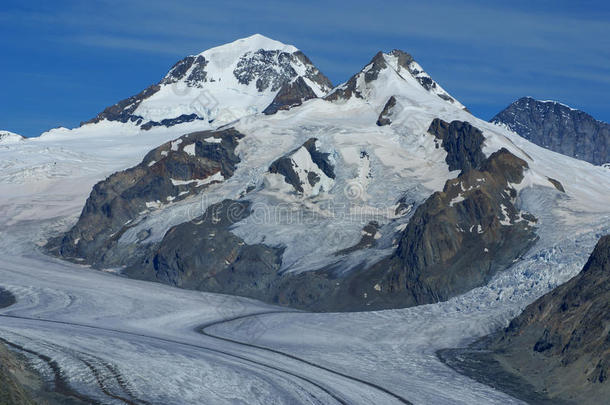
(202, 329)
(221, 352)
(60, 384)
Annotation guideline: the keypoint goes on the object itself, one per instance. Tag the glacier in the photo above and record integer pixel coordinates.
(118, 340)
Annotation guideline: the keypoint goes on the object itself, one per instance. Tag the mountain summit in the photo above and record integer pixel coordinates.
(387, 73)
(223, 84)
(558, 127)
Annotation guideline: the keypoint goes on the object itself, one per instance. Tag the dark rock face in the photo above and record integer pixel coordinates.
(559, 128)
(313, 73)
(273, 69)
(170, 122)
(367, 241)
(290, 95)
(462, 142)
(286, 166)
(6, 298)
(460, 237)
(384, 116)
(557, 184)
(178, 72)
(168, 173)
(565, 333)
(124, 109)
(203, 254)
(11, 391)
(455, 241)
(376, 65)
(350, 88)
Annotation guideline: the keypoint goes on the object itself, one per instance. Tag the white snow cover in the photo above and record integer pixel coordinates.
(148, 333)
(219, 100)
(7, 137)
(303, 164)
(221, 97)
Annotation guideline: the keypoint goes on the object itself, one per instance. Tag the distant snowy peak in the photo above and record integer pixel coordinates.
(223, 84)
(7, 137)
(558, 127)
(396, 66)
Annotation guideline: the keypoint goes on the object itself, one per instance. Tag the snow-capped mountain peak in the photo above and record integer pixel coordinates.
(252, 43)
(390, 74)
(7, 137)
(558, 127)
(223, 84)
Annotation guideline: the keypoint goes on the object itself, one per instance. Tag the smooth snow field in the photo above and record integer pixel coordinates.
(122, 341)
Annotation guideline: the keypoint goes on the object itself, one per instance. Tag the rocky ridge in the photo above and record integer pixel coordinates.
(557, 351)
(559, 128)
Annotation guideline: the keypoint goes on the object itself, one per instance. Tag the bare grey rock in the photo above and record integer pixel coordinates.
(168, 173)
(203, 254)
(559, 128)
(462, 142)
(559, 345)
(384, 116)
(285, 166)
(273, 69)
(290, 95)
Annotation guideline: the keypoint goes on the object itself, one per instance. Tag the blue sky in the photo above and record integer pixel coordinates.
(64, 61)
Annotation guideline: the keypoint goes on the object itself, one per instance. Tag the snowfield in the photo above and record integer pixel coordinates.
(123, 341)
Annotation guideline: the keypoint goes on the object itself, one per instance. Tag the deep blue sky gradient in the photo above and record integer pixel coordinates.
(64, 61)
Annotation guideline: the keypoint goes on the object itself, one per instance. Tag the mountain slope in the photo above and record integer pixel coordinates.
(557, 351)
(7, 137)
(395, 66)
(342, 213)
(559, 128)
(11, 390)
(566, 334)
(221, 85)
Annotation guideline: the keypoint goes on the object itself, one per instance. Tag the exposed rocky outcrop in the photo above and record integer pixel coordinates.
(384, 116)
(123, 111)
(460, 237)
(306, 168)
(290, 95)
(566, 333)
(194, 66)
(370, 73)
(190, 91)
(401, 62)
(557, 184)
(203, 254)
(272, 69)
(6, 298)
(462, 142)
(407, 62)
(20, 384)
(169, 173)
(170, 122)
(559, 345)
(455, 241)
(559, 128)
(370, 234)
(11, 390)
